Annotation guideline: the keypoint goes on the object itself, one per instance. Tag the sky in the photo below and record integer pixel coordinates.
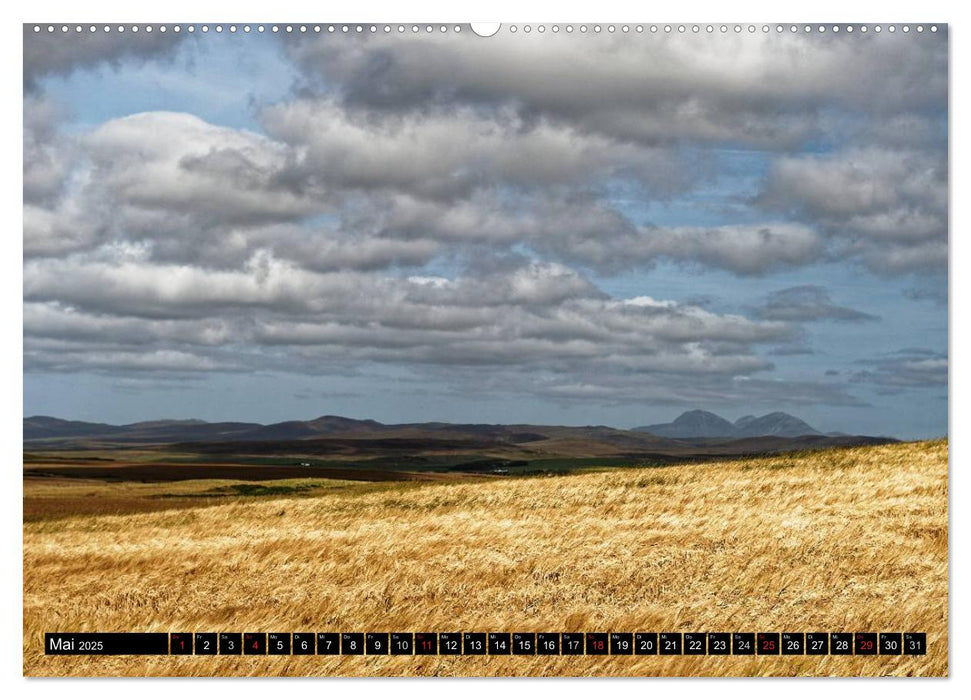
(544, 228)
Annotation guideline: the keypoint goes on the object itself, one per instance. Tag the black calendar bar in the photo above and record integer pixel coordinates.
(761, 644)
(106, 643)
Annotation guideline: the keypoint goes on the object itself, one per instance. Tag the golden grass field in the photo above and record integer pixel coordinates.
(839, 540)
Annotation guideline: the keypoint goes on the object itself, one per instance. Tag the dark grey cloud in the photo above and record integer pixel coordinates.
(581, 228)
(677, 390)
(171, 182)
(441, 204)
(47, 156)
(883, 202)
(188, 190)
(744, 249)
(60, 53)
(158, 362)
(904, 370)
(888, 207)
(445, 145)
(546, 294)
(507, 316)
(175, 162)
(762, 90)
(447, 154)
(808, 303)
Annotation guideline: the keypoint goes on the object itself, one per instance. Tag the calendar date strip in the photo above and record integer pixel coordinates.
(486, 643)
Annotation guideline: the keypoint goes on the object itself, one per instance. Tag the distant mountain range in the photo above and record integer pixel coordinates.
(46, 427)
(691, 426)
(336, 442)
(705, 424)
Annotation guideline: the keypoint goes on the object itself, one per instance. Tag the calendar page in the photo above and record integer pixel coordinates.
(591, 349)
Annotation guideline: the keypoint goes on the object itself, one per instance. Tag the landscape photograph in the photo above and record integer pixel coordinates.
(572, 328)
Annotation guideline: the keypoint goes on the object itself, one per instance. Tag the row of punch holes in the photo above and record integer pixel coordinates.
(513, 28)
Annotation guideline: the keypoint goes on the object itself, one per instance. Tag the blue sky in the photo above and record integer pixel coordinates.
(219, 78)
(255, 227)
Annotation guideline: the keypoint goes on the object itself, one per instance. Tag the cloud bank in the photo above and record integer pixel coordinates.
(450, 204)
